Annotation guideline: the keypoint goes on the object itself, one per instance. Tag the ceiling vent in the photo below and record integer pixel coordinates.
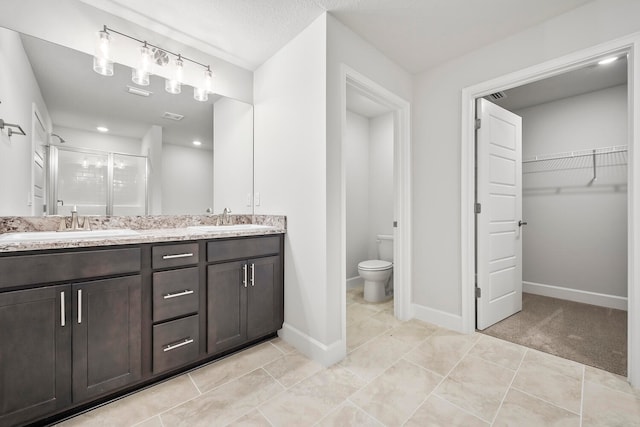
(498, 95)
(172, 116)
(137, 91)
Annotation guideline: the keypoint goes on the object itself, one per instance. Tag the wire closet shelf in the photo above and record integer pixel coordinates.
(615, 156)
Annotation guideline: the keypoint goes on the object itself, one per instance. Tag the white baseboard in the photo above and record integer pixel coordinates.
(437, 317)
(326, 355)
(355, 282)
(593, 298)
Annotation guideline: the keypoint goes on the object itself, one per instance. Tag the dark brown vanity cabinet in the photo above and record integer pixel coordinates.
(64, 344)
(244, 297)
(176, 302)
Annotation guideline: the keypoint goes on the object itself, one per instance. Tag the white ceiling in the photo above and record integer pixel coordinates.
(416, 34)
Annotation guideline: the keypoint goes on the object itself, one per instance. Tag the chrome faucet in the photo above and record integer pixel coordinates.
(75, 222)
(225, 216)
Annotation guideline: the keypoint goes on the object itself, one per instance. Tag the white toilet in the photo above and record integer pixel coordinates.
(377, 273)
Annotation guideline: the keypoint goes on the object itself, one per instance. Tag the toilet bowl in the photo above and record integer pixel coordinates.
(377, 273)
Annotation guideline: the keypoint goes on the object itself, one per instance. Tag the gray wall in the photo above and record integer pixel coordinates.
(577, 233)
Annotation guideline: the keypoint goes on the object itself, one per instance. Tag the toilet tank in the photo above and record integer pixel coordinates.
(385, 247)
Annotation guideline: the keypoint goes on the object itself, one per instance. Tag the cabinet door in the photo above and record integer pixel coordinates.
(264, 297)
(35, 353)
(226, 305)
(106, 335)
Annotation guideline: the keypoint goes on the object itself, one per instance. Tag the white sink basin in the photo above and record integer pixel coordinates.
(230, 228)
(36, 236)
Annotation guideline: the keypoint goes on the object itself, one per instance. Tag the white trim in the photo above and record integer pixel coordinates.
(326, 355)
(402, 188)
(577, 295)
(355, 282)
(629, 44)
(437, 317)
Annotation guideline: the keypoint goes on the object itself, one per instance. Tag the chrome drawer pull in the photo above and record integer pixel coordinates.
(178, 294)
(177, 345)
(177, 256)
(79, 305)
(62, 314)
(253, 274)
(244, 275)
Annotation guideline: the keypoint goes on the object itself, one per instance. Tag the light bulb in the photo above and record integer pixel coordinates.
(202, 93)
(102, 63)
(140, 75)
(174, 85)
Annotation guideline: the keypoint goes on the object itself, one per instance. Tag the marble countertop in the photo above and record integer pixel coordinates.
(165, 233)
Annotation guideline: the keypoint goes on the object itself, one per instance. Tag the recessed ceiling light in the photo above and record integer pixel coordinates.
(102, 129)
(197, 143)
(608, 60)
(137, 91)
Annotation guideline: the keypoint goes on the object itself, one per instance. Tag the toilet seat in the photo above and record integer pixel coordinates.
(375, 265)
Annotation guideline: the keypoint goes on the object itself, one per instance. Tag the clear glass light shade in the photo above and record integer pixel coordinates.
(102, 63)
(202, 93)
(174, 84)
(140, 75)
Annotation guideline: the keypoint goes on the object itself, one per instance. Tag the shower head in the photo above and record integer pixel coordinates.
(62, 140)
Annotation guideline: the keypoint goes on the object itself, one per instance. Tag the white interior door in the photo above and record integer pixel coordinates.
(498, 228)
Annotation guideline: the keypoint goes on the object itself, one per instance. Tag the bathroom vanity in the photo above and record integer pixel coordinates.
(85, 321)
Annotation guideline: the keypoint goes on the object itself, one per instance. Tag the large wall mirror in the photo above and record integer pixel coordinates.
(145, 163)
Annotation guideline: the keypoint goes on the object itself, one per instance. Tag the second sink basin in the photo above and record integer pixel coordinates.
(36, 236)
(230, 228)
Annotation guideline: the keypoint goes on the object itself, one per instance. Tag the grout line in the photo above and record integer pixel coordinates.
(264, 416)
(515, 374)
(194, 383)
(544, 400)
(371, 416)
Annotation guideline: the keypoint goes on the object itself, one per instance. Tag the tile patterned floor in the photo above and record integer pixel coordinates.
(395, 374)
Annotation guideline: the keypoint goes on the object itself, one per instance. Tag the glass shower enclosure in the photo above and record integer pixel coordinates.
(96, 182)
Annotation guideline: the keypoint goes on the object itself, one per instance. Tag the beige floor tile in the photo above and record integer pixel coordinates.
(310, 400)
(412, 332)
(357, 311)
(542, 377)
(437, 412)
(520, 409)
(374, 357)
(441, 351)
(610, 380)
(226, 403)
(355, 295)
(348, 415)
(252, 419)
(292, 368)
(387, 317)
(139, 406)
(477, 386)
(499, 352)
(234, 366)
(362, 331)
(282, 345)
(151, 422)
(393, 396)
(606, 407)
(554, 363)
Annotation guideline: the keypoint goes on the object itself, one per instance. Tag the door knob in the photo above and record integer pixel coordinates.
(521, 223)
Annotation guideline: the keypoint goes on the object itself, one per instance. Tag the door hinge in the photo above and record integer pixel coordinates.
(477, 208)
(478, 123)
(395, 224)
(478, 292)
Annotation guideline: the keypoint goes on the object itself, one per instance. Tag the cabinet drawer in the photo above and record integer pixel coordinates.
(175, 343)
(174, 255)
(222, 250)
(175, 293)
(66, 266)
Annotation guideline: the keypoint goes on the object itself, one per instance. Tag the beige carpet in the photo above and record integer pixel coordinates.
(595, 336)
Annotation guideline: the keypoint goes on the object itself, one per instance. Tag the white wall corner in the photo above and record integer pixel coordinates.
(438, 317)
(326, 355)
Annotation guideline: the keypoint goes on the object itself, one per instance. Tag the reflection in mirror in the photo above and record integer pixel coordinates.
(53, 93)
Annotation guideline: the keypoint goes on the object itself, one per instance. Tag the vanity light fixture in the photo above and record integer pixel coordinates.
(608, 60)
(151, 55)
(102, 129)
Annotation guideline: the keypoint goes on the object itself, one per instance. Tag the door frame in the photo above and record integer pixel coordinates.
(629, 45)
(401, 191)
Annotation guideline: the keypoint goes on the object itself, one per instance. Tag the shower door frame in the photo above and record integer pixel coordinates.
(53, 169)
